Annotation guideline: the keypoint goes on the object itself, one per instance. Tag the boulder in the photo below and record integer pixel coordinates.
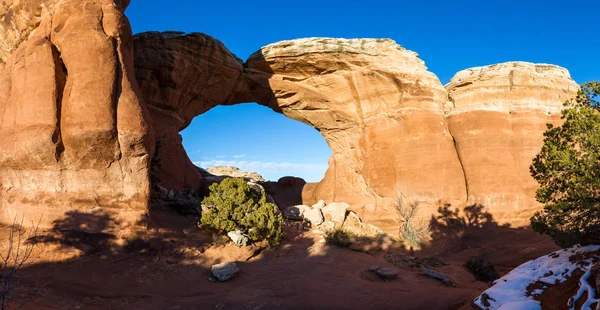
(374, 268)
(238, 238)
(295, 212)
(353, 223)
(326, 227)
(319, 205)
(387, 273)
(314, 216)
(224, 271)
(336, 212)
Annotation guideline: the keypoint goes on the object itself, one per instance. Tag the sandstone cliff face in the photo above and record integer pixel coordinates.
(18, 18)
(74, 134)
(379, 109)
(498, 116)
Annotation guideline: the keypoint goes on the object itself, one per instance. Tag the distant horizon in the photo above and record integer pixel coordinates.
(448, 37)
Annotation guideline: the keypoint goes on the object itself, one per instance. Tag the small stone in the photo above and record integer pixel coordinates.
(444, 278)
(212, 279)
(224, 271)
(171, 194)
(238, 238)
(387, 273)
(374, 268)
(295, 212)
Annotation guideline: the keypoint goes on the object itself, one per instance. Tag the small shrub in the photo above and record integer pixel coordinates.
(19, 252)
(483, 271)
(416, 232)
(234, 204)
(341, 238)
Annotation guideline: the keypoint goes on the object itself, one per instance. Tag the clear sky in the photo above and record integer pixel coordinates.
(448, 35)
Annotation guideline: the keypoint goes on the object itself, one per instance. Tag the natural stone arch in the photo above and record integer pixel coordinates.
(374, 102)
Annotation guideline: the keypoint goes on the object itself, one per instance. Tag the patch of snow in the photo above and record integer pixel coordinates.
(521, 305)
(584, 286)
(510, 292)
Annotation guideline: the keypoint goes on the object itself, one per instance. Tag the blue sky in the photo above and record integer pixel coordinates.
(448, 35)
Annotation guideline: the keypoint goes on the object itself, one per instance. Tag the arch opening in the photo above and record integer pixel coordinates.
(290, 156)
(253, 138)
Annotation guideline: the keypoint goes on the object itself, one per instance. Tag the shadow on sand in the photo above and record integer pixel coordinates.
(89, 264)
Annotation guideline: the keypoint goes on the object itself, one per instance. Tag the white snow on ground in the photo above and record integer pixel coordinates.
(510, 291)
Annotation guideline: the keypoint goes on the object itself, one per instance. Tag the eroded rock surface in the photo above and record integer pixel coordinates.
(182, 76)
(392, 127)
(74, 133)
(498, 118)
(79, 123)
(379, 109)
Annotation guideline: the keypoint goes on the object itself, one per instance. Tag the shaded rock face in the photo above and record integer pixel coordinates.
(182, 76)
(74, 133)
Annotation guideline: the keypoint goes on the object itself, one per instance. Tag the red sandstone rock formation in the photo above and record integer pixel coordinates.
(498, 116)
(78, 133)
(74, 133)
(182, 76)
(380, 111)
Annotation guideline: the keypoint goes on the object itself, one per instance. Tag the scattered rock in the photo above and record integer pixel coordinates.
(238, 238)
(336, 212)
(387, 273)
(371, 229)
(326, 227)
(314, 216)
(295, 212)
(353, 223)
(374, 268)
(439, 276)
(224, 271)
(319, 205)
